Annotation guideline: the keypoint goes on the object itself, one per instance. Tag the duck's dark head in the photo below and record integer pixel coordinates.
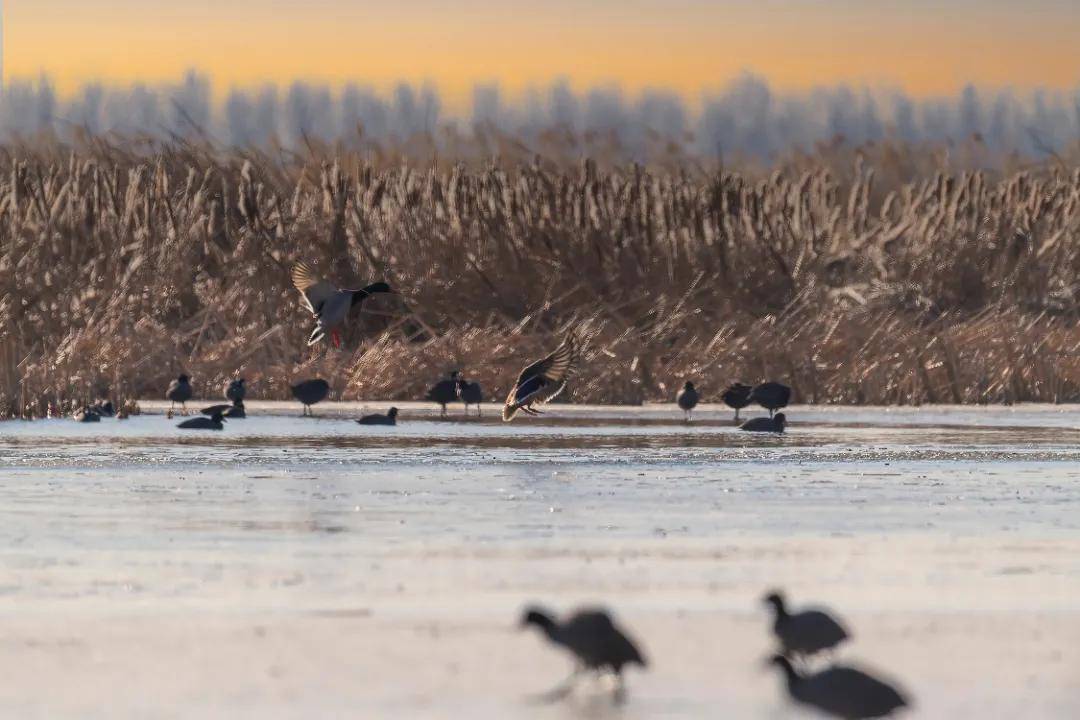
(454, 374)
(183, 378)
(392, 413)
(688, 385)
(784, 664)
(241, 381)
(538, 617)
(776, 599)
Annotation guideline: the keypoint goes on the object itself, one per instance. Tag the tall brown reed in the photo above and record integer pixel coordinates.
(120, 269)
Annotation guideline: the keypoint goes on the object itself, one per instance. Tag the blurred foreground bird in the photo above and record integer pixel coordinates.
(771, 395)
(470, 394)
(445, 391)
(773, 424)
(328, 304)
(179, 392)
(840, 691)
(311, 392)
(235, 391)
(390, 418)
(805, 633)
(596, 643)
(736, 397)
(542, 381)
(214, 422)
(687, 398)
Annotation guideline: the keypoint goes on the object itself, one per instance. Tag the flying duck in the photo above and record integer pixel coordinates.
(840, 691)
(737, 396)
(445, 391)
(595, 641)
(235, 390)
(687, 398)
(771, 395)
(773, 424)
(390, 418)
(542, 381)
(328, 304)
(214, 422)
(804, 633)
(310, 392)
(470, 394)
(235, 410)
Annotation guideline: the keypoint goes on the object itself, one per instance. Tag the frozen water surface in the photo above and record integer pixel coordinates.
(297, 568)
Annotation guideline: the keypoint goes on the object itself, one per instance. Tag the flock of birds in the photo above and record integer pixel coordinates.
(602, 647)
(538, 383)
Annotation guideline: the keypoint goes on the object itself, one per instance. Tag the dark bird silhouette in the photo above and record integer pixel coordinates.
(179, 392)
(235, 390)
(214, 422)
(311, 392)
(542, 381)
(595, 641)
(736, 397)
(470, 394)
(771, 395)
(390, 418)
(843, 692)
(773, 424)
(235, 410)
(103, 408)
(328, 304)
(87, 415)
(687, 398)
(804, 633)
(445, 391)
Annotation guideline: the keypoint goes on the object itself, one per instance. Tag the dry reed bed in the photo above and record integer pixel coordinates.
(118, 271)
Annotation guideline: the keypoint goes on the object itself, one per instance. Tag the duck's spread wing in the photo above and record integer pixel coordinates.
(544, 379)
(314, 290)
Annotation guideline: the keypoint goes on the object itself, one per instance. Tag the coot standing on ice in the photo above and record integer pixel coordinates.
(445, 391)
(179, 392)
(311, 392)
(771, 395)
(470, 394)
(595, 641)
(737, 396)
(688, 398)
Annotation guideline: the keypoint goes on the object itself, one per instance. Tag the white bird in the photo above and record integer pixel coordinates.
(329, 305)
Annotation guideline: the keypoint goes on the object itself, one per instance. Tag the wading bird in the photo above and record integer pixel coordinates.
(687, 398)
(840, 691)
(804, 633)
(328, 304)
(736, 397)
(470, 394)
(390, 418)
(596, 643)
(311, 392)
(214, 422)
(444, 392)
(771, 395)
(773, 424)
(542, 381)
(179, 392)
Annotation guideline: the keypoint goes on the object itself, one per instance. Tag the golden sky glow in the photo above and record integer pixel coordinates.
(685, 45)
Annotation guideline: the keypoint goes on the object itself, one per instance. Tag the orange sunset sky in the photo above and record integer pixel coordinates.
(685, 45)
